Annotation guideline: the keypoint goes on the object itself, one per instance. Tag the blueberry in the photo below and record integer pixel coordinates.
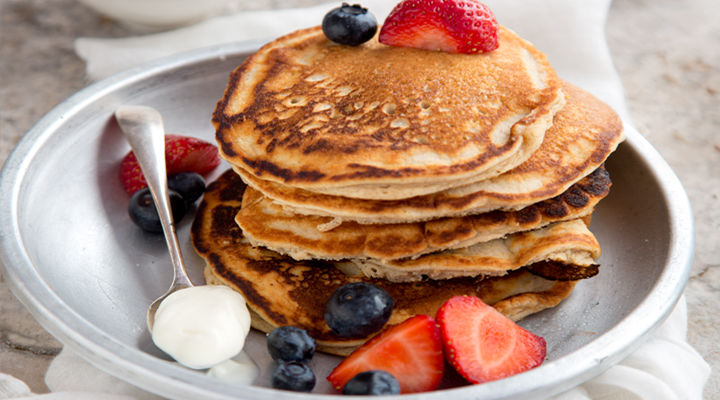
(293, 375)
(290, 343)
(144, 214)
(189, 185)
(358, 309)
(375, 382)
(350, 25)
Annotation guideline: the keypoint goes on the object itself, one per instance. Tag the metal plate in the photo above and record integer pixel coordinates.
(87, 274)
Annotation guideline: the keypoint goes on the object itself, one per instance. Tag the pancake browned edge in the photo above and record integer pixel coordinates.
(282, 291)
(381, 122)
(268, 224)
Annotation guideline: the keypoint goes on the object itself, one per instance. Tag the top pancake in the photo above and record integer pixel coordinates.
(584, 133)
(380, 122)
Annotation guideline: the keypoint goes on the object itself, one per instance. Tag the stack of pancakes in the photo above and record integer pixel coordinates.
(429, 174)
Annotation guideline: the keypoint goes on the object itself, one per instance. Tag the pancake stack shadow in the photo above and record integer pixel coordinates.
(426, 173)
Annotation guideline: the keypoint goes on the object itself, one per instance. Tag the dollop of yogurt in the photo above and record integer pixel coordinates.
(240, 369)
(202, 326)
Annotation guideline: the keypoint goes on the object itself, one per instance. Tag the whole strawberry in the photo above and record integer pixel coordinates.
(182, 154)
(454, 26)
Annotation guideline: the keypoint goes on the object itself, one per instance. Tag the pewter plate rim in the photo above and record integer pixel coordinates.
(161, 377)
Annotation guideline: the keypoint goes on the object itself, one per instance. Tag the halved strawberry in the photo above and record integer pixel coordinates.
(455, 26)
(410, 351)
(182, 154)
(484, 345)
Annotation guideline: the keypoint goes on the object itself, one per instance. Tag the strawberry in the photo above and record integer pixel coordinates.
(182, 154)
(455, 26)
(410, 351)
(484, 345)
(131, 176)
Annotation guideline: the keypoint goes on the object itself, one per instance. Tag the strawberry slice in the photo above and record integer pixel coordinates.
(455, 26)
(182, 154)
(484, 345)
(410, 351)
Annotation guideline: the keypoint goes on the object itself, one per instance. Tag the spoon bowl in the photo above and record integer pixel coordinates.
(143, 128)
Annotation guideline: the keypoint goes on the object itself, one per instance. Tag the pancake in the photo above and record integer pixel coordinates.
(268, 224)
(583, 135)
(282, 291)
(516, 296)
(568, 242)
(380, 122)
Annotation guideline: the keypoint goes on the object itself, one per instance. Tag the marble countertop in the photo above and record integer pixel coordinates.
(667, 53)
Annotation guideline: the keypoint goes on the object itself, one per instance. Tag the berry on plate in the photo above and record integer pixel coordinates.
(482, 344)
(290, 343)
(293, 375)
(454, 26)
(374, 383)
(190, 185)
(358, 309)
(143, 212)
(182, 154)
(352, 25)
(410, 351)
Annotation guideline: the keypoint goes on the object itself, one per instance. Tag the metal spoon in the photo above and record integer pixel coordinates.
(143, 129)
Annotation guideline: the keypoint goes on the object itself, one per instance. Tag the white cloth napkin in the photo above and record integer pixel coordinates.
(570, 32)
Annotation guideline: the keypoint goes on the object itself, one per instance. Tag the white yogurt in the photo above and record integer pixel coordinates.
(202, 326)
(241, 369)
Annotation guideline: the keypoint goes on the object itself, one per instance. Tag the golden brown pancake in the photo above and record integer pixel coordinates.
(381, 122)
(282, 291)
(268, 224)
(569, 242)
(583, 134)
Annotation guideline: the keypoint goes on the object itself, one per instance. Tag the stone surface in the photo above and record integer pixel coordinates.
(667, 53)
(25, 347)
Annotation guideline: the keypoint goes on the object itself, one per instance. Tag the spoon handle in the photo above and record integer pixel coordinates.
(144, 130)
